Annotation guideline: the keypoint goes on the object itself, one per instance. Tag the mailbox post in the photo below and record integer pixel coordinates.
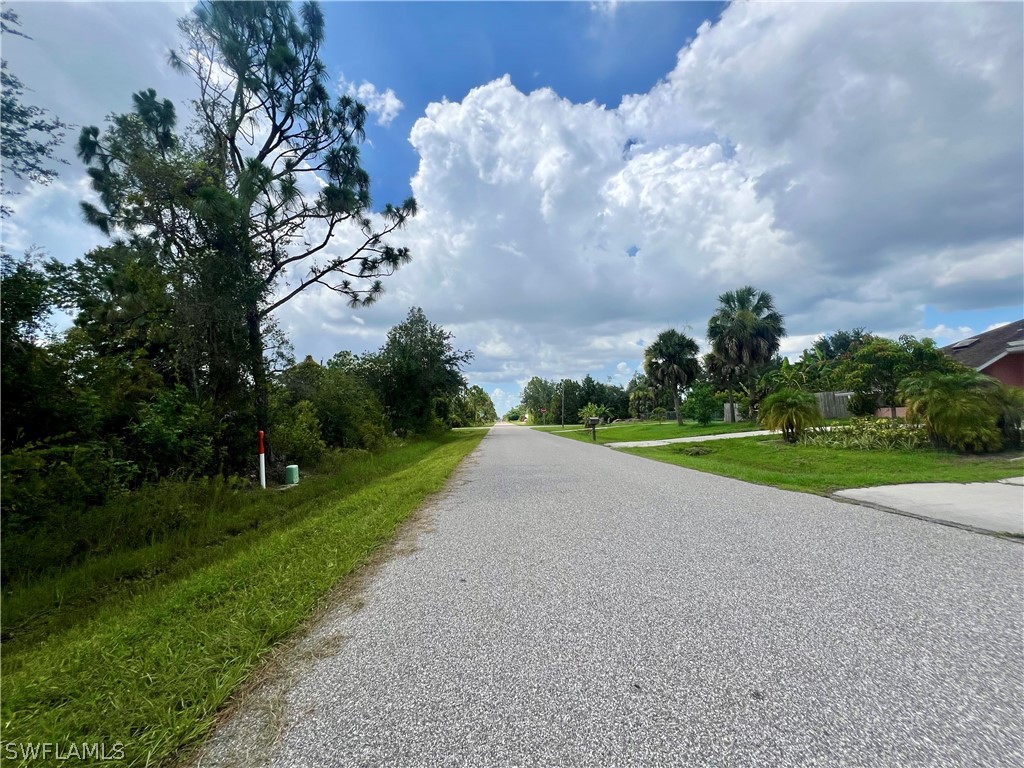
(592, 422)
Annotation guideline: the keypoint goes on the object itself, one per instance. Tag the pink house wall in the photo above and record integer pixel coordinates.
(1009, 370)
(886, 412)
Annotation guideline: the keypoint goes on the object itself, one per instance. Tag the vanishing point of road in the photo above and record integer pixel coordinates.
(568, 605)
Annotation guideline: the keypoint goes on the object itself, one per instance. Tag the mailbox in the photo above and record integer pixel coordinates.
(593, 421)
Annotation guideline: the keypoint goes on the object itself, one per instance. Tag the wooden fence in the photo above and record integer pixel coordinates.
(833, 404)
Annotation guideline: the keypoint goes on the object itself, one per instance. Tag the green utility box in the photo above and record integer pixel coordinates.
(291, 474)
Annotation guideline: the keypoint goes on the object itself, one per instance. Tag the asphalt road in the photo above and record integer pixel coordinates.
(568, 605)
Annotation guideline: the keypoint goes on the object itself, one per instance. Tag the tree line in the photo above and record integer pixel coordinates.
(743, 376)
(175, 359)
(745, 333)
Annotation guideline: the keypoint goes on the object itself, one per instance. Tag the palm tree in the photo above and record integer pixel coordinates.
(745, 333)
(960, 410)
(671, 363)
(790, 411)
(641, 399)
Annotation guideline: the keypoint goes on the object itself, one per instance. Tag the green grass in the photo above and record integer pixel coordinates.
(620, 433)
(815, 469)
(149, 666)
(182, 526)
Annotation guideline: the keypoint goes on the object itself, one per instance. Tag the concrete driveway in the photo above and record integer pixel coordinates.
(987, 507)
(567, 605)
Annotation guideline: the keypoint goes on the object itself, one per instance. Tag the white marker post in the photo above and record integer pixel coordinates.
(263, 464)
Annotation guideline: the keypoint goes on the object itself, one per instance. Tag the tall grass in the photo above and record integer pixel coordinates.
(149, 667)
(158, 534)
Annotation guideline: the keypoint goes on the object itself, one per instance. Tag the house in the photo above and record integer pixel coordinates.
(998, 353)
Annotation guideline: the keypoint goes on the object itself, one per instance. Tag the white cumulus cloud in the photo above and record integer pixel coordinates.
(384, 104)
(859, 161)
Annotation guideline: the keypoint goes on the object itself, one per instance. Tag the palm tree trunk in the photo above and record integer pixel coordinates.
(732, 408)
(679, 415)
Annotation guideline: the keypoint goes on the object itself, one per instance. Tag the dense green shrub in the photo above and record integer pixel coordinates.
(701, 404)
(792, 412)
(870, 434)
(46, 487)
(862, 404)
(349, 412)
(1010, 415)
(176, 434)
(295, 436)
(961, 411)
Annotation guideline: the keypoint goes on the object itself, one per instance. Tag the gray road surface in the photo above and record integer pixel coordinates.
(569, 605)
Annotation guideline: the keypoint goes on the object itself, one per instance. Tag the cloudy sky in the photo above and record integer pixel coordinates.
(589, 174)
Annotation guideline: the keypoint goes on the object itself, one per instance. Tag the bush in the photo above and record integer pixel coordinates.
(46, 487)
(701, 404)
(349, 412)
(296, 436)
(871, 434)
(792, 412)
(960, 410)
(176, 435)
(1010, 408)
(862, 404)
(592, 410)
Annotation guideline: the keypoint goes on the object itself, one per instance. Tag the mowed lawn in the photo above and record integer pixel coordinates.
(620, 433)
(816, 469)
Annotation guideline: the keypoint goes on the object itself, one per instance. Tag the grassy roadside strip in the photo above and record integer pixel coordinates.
(151, 671)
(193, 525)
(816, 469)
(621, 433)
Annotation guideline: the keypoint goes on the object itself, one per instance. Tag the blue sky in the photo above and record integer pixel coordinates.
(589, 174)
(427, 51)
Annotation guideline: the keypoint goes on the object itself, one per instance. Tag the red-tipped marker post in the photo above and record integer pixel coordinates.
(263, 463)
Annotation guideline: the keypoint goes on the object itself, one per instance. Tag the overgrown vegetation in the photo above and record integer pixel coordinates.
(167, 372)
(142, 647)
(128, 443)
(175, 360)
(67, 496)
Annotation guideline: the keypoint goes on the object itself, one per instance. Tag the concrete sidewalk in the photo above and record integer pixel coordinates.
(697, 439)
(989, 507)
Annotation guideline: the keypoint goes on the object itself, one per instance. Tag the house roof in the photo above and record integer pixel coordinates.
(984, 348)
